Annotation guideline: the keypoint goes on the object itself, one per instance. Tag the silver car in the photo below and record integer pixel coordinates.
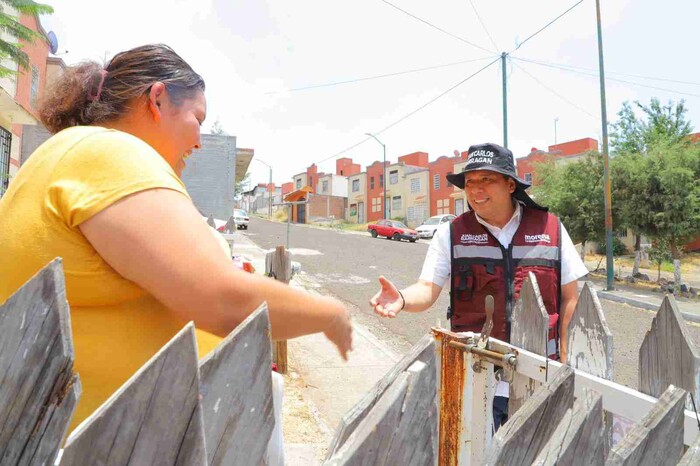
(427, 228)
(241, 219)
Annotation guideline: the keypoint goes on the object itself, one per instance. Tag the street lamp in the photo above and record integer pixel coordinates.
(383, 170)
(269, 207)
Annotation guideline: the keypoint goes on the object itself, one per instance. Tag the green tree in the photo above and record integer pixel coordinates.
(216, 128)
(574, 192)
(11, 26)
(632, 139)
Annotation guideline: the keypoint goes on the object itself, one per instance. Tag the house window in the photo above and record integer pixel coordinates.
(415, 185)
(381, 181)
(324, 186)
(5, 143)
(396, 203)
(341, 172)
(371, 182)
(34, 89)
(449, 185)
(528, 177)
(393, 177)
(299, 183)
(411, 214)
(436, 182)
(355, 185)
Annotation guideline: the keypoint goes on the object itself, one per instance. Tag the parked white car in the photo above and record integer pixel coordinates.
(427, 228)
(241, 219)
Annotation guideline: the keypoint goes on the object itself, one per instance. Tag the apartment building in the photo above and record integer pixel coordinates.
(357, 198)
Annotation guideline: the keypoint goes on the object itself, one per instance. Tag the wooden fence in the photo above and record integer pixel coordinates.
(433, 407)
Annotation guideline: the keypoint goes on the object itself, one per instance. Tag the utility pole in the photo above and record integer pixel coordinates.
(606, 169)
(555, 130)
(269, 193)
(505, 101)
(383, 172)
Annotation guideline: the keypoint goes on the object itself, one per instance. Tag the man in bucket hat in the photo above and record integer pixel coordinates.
(490, 250)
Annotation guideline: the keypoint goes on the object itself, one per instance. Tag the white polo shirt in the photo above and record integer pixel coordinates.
(436, 268)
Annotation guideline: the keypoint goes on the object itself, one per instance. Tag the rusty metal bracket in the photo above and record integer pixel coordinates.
(494, 357)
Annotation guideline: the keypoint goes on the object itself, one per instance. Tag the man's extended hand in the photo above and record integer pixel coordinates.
(387, 302)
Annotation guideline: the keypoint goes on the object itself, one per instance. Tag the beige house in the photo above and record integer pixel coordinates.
(357, 198)
(417, 197)
(300, 181)
(459, 196)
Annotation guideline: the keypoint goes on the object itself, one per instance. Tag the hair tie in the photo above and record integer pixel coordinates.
(95, 97)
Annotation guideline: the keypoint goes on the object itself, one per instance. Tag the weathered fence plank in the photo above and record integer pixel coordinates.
(521, 439)
(692, 456)
(400, 429)
(38, 391)
(278, 265)
(154, 418)
(590, 344)
(423, 351)
(658, 439)
(668, 355)
(529, 328)
(236, 389)
(578, 439)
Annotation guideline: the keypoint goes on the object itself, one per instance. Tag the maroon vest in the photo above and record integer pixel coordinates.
(481, 267)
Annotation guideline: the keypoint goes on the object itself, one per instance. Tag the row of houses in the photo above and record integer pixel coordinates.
(415, 187)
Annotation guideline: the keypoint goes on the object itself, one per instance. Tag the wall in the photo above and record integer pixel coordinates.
(319, 206)
(356, 198)
(300, 180)
(210, 176)
(574, 147)
(345, 167)
(375, 205)
(440, 168)
(287, 187)
(417, 159)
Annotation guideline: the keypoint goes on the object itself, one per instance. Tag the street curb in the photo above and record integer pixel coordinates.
(643, 305)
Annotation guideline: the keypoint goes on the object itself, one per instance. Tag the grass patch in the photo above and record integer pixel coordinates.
(351, 226)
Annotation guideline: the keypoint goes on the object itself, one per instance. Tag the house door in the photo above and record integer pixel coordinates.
(360, 212)
(301, 213)
(459, 206)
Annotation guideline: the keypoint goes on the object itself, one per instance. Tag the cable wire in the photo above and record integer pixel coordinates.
(564, 68)
(555, 92)
(495, 47)
(540, 62)
(547, 25)
(438, 28)
(408, 115)
(380, 76)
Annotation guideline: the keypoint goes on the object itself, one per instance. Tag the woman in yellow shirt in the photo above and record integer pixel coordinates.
(104, 193)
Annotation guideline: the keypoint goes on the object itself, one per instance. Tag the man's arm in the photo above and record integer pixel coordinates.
(569, 298)
(418, 297)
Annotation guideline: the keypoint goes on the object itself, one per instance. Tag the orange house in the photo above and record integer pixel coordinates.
(441, 190)
(375, 192)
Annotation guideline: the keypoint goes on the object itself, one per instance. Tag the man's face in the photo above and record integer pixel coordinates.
(489, 194)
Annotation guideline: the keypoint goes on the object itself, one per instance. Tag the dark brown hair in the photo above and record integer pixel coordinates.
(72, 101)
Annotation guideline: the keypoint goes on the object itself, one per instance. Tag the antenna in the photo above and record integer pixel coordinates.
(53, 42)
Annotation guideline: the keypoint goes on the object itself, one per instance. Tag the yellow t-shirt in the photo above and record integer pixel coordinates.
(117, 326)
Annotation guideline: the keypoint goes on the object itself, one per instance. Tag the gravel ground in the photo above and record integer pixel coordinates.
(628, 326)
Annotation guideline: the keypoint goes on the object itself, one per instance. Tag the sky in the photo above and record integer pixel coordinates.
(256, 55)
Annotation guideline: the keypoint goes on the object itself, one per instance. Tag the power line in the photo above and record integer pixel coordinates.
(368, 78)
(495, 47)
(438, 28)
(547, 25)
(564, 68)
(555, 92)
(540, 62)
(408, 115)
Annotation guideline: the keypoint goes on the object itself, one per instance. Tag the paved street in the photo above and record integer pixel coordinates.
(346, 265)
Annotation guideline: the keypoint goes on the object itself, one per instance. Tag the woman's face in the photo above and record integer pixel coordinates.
(180, 127)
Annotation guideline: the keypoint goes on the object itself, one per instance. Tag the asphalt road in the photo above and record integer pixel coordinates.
(347, 265)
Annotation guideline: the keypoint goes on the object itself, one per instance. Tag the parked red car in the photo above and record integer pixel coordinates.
(392, 230)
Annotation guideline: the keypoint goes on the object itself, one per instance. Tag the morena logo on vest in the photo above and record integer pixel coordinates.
(538, 238)
(467, 238)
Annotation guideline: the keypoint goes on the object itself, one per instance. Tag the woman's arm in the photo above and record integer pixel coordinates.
(157, 239)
